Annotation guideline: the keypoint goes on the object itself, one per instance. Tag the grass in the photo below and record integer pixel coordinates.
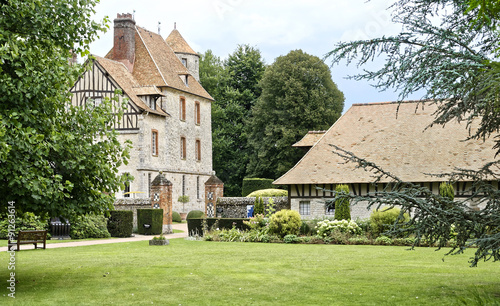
(216, 273)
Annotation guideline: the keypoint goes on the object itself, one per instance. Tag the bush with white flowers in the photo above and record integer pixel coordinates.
(326, 227)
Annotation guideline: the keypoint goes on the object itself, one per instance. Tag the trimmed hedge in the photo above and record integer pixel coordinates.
(194, 214)
(252, 184)
(195, 226)
(268, 193)
(151, 216)
(176, 217)
(120, 223)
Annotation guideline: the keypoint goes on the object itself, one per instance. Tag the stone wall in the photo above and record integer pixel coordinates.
(228, 207)
(133, 205)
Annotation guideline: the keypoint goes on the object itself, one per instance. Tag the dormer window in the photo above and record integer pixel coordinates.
(184, 62)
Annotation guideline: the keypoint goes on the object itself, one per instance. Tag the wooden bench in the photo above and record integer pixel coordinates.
(28, 237)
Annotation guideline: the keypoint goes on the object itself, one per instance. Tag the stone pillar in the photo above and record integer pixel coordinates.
(161, 197)
(214, 188)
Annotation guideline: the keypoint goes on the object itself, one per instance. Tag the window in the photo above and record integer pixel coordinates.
(94, 101)
(197, 113)
(184, 62)
(305, 208)
(183, 185)
(182, 109)
(154, 142)
(198, 187)
(329, 211)
(152, 103)
(149, 184)
(126, 191)
(183, 147)
(198, 150)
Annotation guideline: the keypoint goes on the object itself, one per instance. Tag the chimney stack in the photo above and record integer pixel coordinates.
(124, 40)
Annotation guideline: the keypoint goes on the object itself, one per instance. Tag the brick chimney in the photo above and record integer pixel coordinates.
(124, 40)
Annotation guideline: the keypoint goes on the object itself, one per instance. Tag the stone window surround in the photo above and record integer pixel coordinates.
(182, 108)
(198, 150)
(197, 113)
(305, 208)
(154, 142)
(183, 147)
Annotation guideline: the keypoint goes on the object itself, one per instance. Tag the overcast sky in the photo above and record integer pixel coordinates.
(275, 27)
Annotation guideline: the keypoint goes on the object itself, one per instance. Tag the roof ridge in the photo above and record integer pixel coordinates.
(150, 54)
(393, 102)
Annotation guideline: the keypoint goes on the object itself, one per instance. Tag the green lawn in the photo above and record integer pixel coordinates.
(216, 273)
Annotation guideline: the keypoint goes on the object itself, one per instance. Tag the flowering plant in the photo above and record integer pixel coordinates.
(256, 222)
(326, 227)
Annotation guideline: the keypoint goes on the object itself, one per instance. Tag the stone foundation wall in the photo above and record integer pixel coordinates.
(228, 207)
(133, 205)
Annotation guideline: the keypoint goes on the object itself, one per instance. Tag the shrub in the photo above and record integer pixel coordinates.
(89, 226)
(382, 220)
(383, 240)
(447, 190)
(23, 222)
(342, 207)
(271, 208)
(256, 222)
(305, 228)
(291, 239)
(359, 240)
(268, 193)
(195, 225)
(327, 227)
(285, 222)
(151, 216)
(195, 214)
(176, 217)
(252, 184)
(120, 223)
(258, 208)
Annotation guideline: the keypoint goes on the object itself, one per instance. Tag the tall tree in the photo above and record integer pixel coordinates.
(448, 48)
(56, 159)
(233, 84)
(298, 95)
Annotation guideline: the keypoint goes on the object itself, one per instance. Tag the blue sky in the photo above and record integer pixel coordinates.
(275, 27)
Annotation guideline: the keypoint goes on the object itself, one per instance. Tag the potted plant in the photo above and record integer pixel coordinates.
(159, 240)
(183, 199)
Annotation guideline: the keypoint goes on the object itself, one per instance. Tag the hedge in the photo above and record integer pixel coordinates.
(268, 193)
(194, 214)
(89, 226)
(195, 226)
(151, 216)
(252, 184)
(120, 223)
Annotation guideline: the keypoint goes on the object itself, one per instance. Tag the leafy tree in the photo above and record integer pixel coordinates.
(298, 95)
(449, 49)
(55, 159)
(234, 86)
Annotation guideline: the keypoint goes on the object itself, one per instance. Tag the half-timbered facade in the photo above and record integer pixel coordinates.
(168, 115)
(396, 137)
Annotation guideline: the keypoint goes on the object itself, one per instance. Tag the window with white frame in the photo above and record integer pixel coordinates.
(305, 208)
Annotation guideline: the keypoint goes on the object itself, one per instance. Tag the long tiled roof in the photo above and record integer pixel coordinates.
(396, 140)
(120, 74)
(310, 139)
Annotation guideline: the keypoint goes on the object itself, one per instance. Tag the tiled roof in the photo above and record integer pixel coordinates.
(396, 140)
(156, 64)
(120, 74)
(310, 139)
(178, 44)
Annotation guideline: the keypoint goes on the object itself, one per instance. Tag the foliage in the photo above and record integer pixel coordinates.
(183, 199)
(460, 73)
(152, 217)
(285, 222)
(89, 226)
(257, 222)
(23, 222)
(176, 217)
(270, 208)
(254, 184)
(268, 193)
(195, 214)
(382, 220)
(258, 208)
(342, 207)
(447, 190)
(198, 226)
(61, 160)
(120, 223)
(291, 239)
(298, 95)
(234, 86)
(326, 227)
(383, 240)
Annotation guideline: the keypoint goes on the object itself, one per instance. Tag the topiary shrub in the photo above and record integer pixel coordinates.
(382, 220)
(342, 207)
(89, 226)
(152, 217)
(268, 193)
(447, 191)
(176, 217)
(285, 222)
(195, 214)
(258, 208)
(120, 223)
(252, 184)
